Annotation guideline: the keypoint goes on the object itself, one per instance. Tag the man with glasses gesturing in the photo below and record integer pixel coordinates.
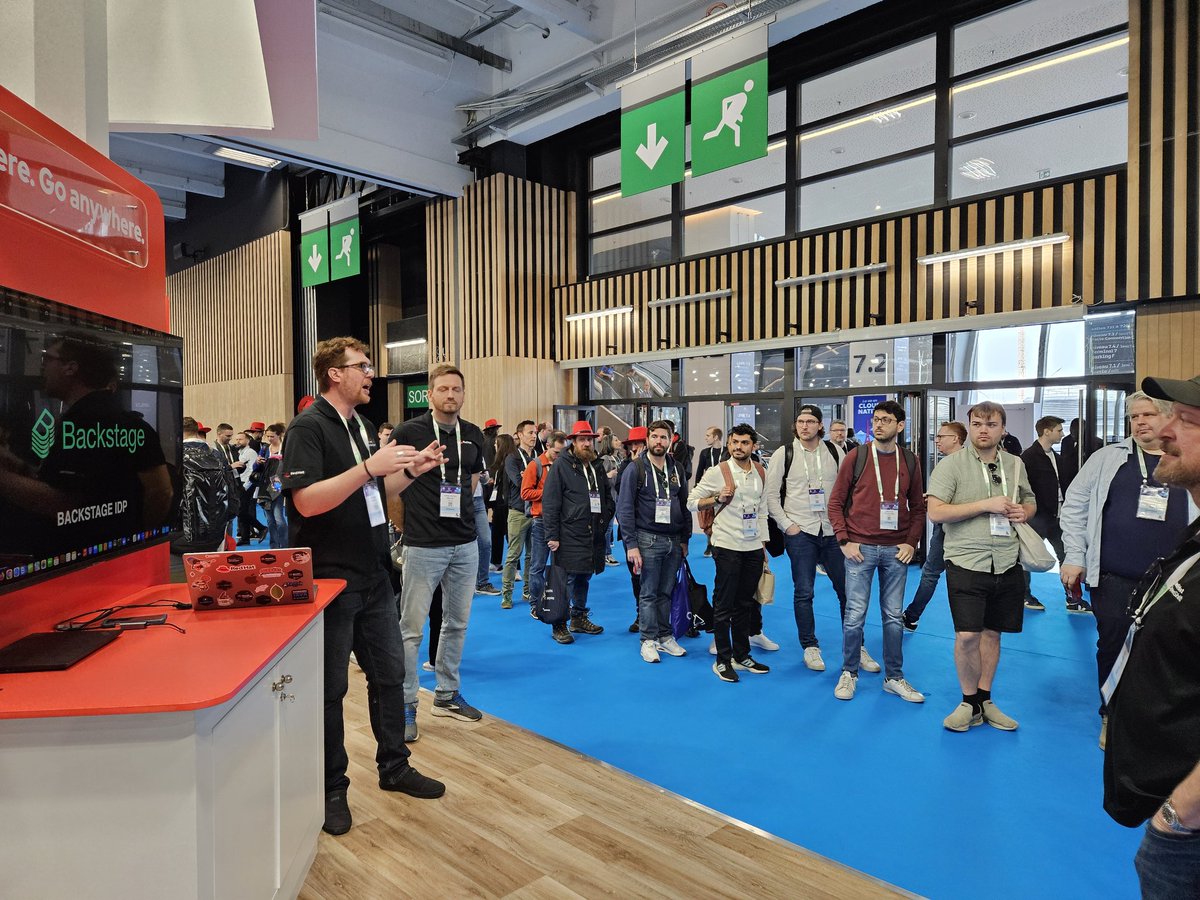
(977, 495)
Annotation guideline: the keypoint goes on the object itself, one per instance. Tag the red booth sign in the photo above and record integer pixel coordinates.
(42, 181)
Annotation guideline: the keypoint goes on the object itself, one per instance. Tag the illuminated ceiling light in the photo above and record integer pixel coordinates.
(989, 249)
(604, 198)
(978, 169)
(392, 345)
(598, 314)
(836, 273)
(673, 301)
(250, 159)
(870, 117)
(1043, 64)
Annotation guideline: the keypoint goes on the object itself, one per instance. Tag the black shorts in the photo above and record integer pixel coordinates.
(981, 600)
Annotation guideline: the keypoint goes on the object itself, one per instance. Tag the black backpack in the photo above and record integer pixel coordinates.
(207, 502)
(860, 463)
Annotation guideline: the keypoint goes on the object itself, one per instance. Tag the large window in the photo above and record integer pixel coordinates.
(1036, 92)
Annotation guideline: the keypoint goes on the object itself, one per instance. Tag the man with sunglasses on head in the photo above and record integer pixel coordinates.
(337, 480)
(1152, 762)
(978, 495)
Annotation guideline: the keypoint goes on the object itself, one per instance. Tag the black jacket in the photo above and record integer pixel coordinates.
(567, 516)
(1045, 483)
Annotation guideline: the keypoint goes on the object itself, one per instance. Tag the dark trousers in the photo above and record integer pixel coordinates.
(248, 522)
(1048, 528)
(499, 534)
(1110, 605)
(734, 605)
(931, 574)
(435, 624)
(636, 580)
(1168, 865)
(365, 622)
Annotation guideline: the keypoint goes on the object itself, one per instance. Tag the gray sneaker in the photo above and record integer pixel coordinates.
(847, 682)
(812, 659)
(412, 733)
(670, 646)
(902, 689)
(997, 719)
(457, 708)
(962, 718)
(866, 663)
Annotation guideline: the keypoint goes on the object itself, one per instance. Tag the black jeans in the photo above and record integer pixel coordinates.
(1110, 605)
(248, 517)
(365, 621)
(1048, 528)
(734, 606)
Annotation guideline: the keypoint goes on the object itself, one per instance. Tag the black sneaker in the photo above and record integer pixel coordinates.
(584, 625)
(337, 813)
(457, 707)
(1032, 602)
(410, 782)
(561, 634)
(635, 627)
(487, 588)
(1078, 606)
(533, 612)
(725, 671)
(910, 624)
(525, 596)
(749, 665)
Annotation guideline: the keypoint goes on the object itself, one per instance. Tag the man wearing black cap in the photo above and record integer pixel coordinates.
(1152, 761)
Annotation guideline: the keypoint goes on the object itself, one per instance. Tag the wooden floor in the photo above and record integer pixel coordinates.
(526, 818)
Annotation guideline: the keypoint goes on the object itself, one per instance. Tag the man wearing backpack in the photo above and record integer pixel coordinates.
(799, 482)
(655, 525)
(518, 522)
(877, 510)
(209, 495)
(533, 482)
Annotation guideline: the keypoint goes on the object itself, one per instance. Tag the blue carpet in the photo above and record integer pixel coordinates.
(875, 783)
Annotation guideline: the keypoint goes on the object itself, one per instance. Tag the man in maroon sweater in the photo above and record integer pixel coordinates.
(877, 509)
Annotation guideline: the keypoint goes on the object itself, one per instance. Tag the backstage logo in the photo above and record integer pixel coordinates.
(42, 439)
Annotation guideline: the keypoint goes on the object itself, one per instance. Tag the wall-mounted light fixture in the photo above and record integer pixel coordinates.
(392, 345)
(836, 273)
(599, 313)
(709, 295)
(1044, 240)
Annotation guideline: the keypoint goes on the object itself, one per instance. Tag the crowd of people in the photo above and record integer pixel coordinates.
(550, 504)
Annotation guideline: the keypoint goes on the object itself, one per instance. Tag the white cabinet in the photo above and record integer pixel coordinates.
(221, 803)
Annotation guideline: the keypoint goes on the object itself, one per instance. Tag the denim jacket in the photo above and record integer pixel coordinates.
(1082, 512)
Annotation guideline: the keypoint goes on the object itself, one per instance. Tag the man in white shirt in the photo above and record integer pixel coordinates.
(739, 531)
(799, 482)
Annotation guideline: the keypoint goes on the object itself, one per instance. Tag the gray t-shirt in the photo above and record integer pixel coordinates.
(963, 477)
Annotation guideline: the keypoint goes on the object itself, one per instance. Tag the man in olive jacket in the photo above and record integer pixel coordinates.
(577, 507)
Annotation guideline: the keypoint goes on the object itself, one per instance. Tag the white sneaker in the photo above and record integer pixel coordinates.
(866, 663)
(712, 648)
(845, 686)
(821, 570)
(427, 666)
(812, 659)
(762, 642)
(649, 651)
(903, 690)
(670, 646)
(518, 574)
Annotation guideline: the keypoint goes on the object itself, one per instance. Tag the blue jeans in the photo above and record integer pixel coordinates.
(484, 530)
(577, 591)
(892, 575)
(805, 551)
(277, 527)
(424, 568)
(661, 555)
(365, 621)
(535, 578)
(931, 573)
(1168, 865)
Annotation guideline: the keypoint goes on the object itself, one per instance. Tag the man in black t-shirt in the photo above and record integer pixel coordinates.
(336, 480)
(440, 544)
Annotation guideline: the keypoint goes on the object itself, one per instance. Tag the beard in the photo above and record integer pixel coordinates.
(1172, 470)
(658, 451)
(587, 454)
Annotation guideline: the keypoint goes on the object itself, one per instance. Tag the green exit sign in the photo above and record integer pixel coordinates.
(417, 397)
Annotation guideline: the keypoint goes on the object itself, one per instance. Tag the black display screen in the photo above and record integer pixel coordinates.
(90, 437)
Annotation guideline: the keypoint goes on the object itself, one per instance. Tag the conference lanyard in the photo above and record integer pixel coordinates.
(987, 476)
(879, 478)
(375, 511)
(1114, 677)
(593, 486)
(998, 524)
(458, 448)
(662, 505)
(889, 510)
(1152, 497)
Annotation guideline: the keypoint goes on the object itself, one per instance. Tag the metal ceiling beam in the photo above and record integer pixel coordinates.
(576, 18)
(177, 182)
(375, 17)
(176, 143)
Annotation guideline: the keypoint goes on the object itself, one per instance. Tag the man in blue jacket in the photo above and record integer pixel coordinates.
(655, 525)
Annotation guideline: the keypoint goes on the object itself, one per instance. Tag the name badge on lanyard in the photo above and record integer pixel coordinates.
(889, 515)
(374, 503)
(750, 524)
(1152, 503)
(594, 500)
(451, 507)
(816, 500)
(1000, 526)
(662, 511)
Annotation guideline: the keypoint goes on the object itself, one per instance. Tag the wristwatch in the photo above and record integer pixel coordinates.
(1172, 819)
(843, 542)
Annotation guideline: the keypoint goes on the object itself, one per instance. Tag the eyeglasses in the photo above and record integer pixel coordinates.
(945, 437)
(46, 354)
(364, 367)
(883, 420)
(995, 477)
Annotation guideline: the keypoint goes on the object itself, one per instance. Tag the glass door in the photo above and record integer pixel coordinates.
(565, 417)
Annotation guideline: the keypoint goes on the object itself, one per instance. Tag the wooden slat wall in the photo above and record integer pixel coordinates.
(511, 388)
(1093, 211)
(1167, 337)
(1164, 149)
(494, 258)
(234, 313)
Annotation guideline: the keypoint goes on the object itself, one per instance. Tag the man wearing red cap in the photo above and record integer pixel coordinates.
(576, 509)
(1152, 758)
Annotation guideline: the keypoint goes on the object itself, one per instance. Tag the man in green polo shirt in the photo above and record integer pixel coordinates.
(978, 495)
